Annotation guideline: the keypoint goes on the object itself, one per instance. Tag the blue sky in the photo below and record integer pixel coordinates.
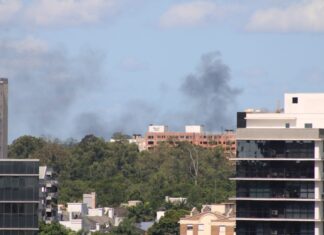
(77, 66)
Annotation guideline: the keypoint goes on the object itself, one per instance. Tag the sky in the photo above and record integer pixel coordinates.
(78, 67)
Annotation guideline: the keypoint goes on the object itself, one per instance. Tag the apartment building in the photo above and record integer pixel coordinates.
(48, 194)
(19, 196)
(279, 168)
(193, 134)
(217, 219)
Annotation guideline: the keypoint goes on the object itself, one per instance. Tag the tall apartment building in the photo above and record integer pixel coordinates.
(3, 117)
(48, 196)
(279, 169)
(19, 196)
(193, 134)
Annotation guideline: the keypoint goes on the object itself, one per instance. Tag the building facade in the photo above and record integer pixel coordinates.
(217, 219)
(48, 194)
(192, 134)
(3, 117)
(90, 200)
(279, 169)
(19, 196)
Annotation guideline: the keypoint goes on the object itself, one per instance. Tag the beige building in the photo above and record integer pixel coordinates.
(194, 134)
(90, 200)
(3, 117)
(209, 221)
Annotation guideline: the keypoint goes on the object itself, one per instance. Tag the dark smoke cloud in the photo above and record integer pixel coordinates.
(45, 84)
(209, 94)
(134, 118)
(49, 92)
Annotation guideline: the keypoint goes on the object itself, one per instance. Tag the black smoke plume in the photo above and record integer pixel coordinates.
(209, 94)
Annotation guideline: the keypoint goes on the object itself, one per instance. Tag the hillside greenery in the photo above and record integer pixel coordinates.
(118, 172)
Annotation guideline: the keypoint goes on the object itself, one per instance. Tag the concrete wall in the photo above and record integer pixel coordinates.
(307, 103)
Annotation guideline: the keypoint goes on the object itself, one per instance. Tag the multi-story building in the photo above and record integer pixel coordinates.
(3, 117)
(279, 169)
(48, 194)
(193, 134)
(19, 196)
(217, 219)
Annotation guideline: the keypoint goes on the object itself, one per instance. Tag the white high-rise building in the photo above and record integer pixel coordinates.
(279, 168)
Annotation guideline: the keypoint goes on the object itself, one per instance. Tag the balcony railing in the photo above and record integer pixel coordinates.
(276, 174)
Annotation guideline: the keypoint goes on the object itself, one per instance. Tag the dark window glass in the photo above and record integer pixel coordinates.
(271, 228)
(275, 149)
(275, 169)
(275, 189)
(295, 100)
(298, 210)
(308, 125)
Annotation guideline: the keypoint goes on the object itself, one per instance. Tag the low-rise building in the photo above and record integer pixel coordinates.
(73, 217)
(175, 200)
(209, 221)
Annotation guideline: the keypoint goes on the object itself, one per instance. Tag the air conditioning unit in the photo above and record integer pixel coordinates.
(274, 212)
(274, 232)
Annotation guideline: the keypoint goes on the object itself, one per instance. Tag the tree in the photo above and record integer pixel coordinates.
(126, 227)
(54, 229)
(25, 146)
(168, 225)
(141, 213)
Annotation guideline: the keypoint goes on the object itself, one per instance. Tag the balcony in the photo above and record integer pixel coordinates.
(307, 174)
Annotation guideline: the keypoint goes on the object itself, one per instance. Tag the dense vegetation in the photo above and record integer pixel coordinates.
(118, 172)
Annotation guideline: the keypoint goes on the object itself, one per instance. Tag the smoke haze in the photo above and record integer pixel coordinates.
(50, 94)
(45, 84)
(209, 93)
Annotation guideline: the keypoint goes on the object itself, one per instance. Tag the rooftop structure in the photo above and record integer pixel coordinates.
(90, 200)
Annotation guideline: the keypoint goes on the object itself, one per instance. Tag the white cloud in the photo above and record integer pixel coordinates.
(306, 15)
(57, 12)
(28, 44)
(8, 9)
(69, 12)
(193, 13)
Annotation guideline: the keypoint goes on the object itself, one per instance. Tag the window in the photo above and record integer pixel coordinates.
(308, 125)
(287, 125)
(222, 230)
(201, 227)
(295, 100)
(189, 227)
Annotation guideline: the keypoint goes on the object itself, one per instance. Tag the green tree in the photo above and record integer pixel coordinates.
(168, 225)
(126, 227)
(54, 229)
(141, 213)
(25, 146)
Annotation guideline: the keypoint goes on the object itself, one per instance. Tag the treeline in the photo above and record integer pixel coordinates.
(118, 172)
